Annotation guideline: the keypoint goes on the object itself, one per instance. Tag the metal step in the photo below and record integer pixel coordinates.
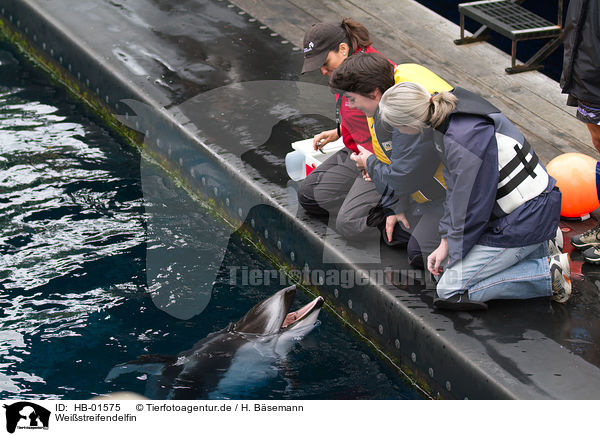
(509, 19)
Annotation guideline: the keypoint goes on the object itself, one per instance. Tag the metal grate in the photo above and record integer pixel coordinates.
(509, 19)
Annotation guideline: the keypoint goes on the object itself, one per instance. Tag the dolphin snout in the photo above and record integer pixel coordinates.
(319, 302)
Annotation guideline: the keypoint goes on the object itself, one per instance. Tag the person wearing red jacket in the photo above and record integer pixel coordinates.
(336, 187)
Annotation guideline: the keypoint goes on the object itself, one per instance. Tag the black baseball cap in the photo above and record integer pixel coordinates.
(318, 41)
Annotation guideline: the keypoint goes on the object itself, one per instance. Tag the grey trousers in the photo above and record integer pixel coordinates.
(336, 188)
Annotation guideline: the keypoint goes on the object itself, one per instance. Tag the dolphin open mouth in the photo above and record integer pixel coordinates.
(293, 318)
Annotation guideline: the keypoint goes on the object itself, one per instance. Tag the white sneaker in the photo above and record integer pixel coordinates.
(560, 271)
(555, 246)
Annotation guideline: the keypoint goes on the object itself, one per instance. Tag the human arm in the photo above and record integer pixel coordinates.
(324, 138)
(471, 174)
(408, 157)
(360, 159)
(413, 161)
(435, 259)
(392, 220)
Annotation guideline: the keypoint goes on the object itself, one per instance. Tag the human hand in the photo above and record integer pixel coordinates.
(391, 221)
(361, 157)
(324, 138)
(435, 259)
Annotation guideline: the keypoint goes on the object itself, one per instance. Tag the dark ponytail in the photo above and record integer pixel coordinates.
(358, 35)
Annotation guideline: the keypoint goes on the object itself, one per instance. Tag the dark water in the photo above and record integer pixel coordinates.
(547, 9)
(74, 244)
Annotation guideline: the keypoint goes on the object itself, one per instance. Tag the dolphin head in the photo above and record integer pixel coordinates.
(298, 324)
(271, 316)
(238, 355)
(267, 316)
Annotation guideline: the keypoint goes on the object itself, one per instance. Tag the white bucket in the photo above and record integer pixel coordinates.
(295, 165)
(300, 162)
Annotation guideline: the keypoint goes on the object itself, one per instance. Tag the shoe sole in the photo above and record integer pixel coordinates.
(566, 266)
(594, 261)
(563, 301)
(583, 246)
(566, 297)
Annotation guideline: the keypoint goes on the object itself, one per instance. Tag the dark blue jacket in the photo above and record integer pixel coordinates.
(470, 156)
(414, 162)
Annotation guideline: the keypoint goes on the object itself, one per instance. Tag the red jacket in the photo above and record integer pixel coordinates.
(354, 122)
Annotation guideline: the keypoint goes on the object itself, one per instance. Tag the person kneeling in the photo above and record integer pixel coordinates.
(501, 206)
(405, 168)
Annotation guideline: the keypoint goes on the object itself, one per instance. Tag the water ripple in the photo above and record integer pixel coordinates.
(68, 205)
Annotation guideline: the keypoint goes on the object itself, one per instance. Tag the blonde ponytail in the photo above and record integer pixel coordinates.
(442, 104)
(409, 104)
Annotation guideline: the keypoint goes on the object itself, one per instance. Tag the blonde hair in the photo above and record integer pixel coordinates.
(409, 104)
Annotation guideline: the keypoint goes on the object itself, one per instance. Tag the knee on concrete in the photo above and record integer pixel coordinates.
(348, 227)
(306, 199)
(446, 287)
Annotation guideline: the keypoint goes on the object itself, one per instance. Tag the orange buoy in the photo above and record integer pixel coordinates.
(578, 176)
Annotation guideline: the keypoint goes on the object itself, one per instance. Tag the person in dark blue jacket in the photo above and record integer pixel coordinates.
(501, 206)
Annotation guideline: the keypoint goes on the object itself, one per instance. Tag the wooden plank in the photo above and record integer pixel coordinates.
(320, 11)
(406, 31)
(282, 17)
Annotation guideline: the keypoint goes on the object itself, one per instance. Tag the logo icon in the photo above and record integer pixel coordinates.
(310, 47)
(26, 415)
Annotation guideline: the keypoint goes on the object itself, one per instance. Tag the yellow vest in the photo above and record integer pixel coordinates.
(430, 81)
(409, 73)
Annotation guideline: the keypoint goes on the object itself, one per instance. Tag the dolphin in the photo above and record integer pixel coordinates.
(232, 360)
